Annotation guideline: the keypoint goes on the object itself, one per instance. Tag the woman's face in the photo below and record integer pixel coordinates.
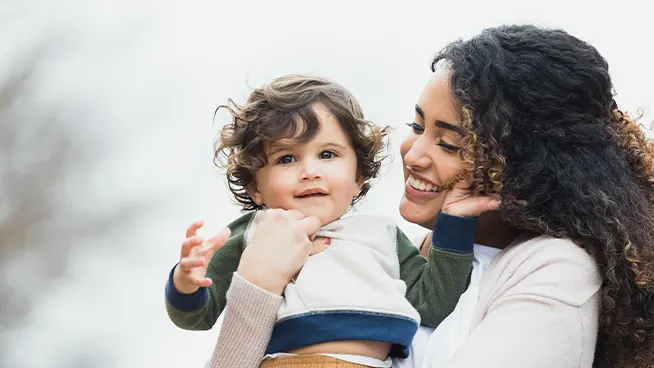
(430, 153)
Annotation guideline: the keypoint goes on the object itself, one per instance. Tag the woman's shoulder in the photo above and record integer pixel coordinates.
(555, 268)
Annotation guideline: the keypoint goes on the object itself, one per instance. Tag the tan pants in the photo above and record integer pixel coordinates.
(308, 361)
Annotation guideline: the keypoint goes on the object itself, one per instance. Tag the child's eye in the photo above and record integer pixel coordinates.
(326, 155)
(417, 129)
(448, 147)
(286, 160)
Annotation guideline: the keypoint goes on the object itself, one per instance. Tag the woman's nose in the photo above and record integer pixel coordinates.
(417, 157)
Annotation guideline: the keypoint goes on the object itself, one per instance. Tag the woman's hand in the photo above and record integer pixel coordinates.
(279, 248)
(459, 201)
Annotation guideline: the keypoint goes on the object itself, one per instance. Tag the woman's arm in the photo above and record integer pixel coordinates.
(250, 316)
(277, 252)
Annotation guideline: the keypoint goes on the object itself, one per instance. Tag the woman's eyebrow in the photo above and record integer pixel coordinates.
(448, 126)
(440, 123)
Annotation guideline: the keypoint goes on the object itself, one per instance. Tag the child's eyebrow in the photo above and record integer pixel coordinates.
(335, 145)
(276, 148)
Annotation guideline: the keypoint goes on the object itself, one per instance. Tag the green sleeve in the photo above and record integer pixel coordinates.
(220, 270)
(434, 284)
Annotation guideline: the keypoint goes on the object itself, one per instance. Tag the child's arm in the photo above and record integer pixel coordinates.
(435, 284)
(200, 309)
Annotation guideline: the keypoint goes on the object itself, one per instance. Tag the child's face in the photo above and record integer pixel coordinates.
(318, 178)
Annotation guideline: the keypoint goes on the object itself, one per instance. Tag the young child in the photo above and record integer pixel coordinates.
(302, 143)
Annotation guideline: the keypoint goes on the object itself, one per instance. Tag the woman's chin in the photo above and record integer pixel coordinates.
(423, 215)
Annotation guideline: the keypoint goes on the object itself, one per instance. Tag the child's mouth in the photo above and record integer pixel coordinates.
(312, 193)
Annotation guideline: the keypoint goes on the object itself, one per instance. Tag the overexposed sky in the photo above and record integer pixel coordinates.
(140, 80)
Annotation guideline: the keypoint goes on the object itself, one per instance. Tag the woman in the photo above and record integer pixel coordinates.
(529, 112)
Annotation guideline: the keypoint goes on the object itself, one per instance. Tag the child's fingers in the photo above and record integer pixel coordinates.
(219, 239)
(492, 205)
(191, 231)
(201, 281)
(189, 263)
(465, 183)
(212, 245)
(189, 243)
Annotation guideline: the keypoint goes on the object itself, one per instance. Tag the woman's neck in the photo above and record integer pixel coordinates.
(493, 232)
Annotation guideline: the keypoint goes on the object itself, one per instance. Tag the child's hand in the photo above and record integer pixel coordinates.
(189, 275)
(459, 201)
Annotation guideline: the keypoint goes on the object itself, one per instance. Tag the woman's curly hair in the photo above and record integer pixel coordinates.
(282, 111)
(541, 126)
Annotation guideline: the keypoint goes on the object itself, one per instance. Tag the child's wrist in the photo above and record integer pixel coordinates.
(455, 212)
(181, 286)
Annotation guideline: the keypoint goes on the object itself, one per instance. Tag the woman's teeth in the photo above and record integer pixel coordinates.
(421, 185)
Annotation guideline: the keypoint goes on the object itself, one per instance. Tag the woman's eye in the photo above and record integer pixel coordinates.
(448, 147)
(417, 129)
(326, 155)
(286, 160)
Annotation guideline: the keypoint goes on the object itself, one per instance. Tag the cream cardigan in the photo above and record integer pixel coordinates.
(538, 307)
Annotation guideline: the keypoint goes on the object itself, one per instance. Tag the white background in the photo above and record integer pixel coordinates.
(136, 84)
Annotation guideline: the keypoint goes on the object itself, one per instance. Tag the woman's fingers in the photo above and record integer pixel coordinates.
(310, 225)
(318, 245)
(294, 214)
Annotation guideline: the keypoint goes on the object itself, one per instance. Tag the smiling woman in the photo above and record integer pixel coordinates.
(436, 137)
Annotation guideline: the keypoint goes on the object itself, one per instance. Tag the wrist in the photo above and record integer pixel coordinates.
(453, 211)
(262, 279)
(180, 285)
(454, 233)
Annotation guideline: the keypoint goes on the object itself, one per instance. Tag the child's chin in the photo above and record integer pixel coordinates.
(325, 218)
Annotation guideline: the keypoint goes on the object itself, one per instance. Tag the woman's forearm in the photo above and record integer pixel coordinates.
(250, 316)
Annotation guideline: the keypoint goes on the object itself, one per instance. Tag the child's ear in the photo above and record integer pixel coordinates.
(254, 193)
(361, 181)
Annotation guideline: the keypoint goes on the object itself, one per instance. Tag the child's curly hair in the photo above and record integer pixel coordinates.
(282, 110)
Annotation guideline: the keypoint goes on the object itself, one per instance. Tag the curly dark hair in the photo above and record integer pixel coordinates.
(282, 110)
(542, 126)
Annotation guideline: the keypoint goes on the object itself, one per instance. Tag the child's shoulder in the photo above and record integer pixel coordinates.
(240, 225)
(371, 224)
(365, 218)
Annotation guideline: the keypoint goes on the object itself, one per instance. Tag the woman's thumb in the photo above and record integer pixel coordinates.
(319, 244)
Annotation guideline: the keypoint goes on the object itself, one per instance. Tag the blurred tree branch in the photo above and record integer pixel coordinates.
(38, 151)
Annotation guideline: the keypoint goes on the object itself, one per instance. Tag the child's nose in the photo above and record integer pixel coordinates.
(311, 170)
